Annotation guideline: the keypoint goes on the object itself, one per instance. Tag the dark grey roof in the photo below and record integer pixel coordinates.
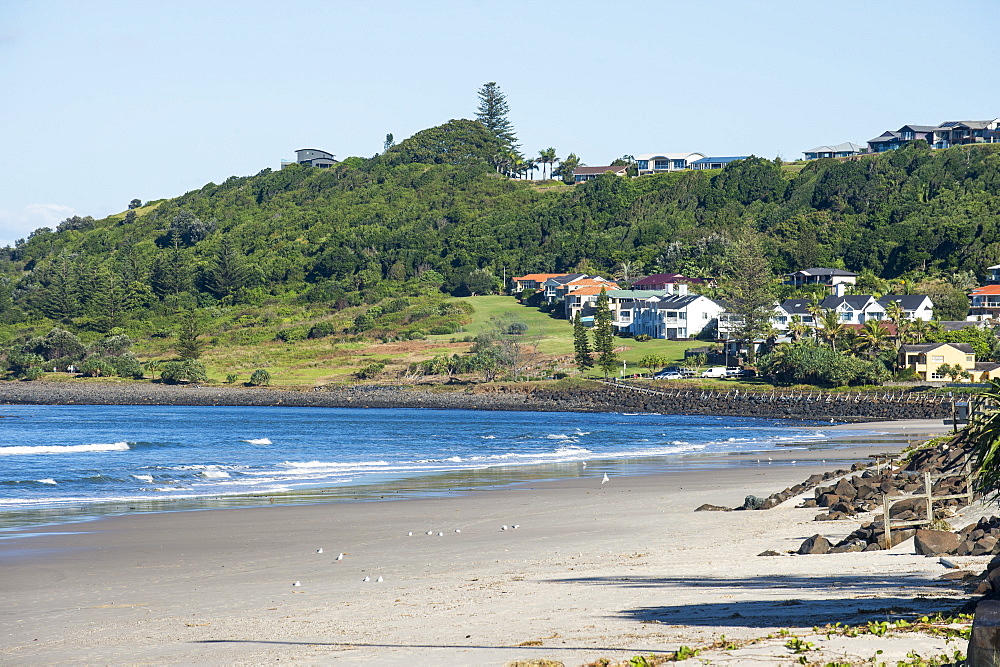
(919, 128)
(586, 171)
(671, 302)
(986, 366)
(855, 301)
(907, 301)
(568, 278)
(958, 325)
(795, 306)
(927, 347)
(884, 137)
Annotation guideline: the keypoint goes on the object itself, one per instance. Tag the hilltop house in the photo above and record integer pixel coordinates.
(846, 149)
(531, 281)
(558, 287)
(947, 134)
(715, 162)
(673, 315)
(655, 163)
(313, 157)
(819, 276)
(581, 297)
(583, 174)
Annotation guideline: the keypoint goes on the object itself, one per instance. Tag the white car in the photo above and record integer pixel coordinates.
(715, 372)
(672, 375)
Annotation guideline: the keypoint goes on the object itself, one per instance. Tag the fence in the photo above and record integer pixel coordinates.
(930, 498)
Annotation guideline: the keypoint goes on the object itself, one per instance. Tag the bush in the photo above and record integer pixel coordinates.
(322, 330)
(32, 373)
(96, 367)
(127, 366)
(370, 371)
(517, 328)
(187, 370)
(396, 305)
(260, 378)
(416, 335)
(231, 378)
(642, 338)
(292, 335)
(441, 330)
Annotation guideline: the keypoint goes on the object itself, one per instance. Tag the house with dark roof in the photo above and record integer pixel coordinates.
(715, 162)
(583, 174)
(926, 359)
(314, 157)
(845, 149)
(820, 276)
(661, 314)
(915, 306)
(531, 281)
(888, 141)
(853, 309)
(655, 163)
(964, 132)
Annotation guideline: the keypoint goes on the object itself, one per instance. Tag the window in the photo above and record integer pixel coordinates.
(937, 358)
(680, 164)
(643, 164)
(704, 316)
(625, 314)
(661, 164)
(846, 317)
(971, 358)
(936, 376)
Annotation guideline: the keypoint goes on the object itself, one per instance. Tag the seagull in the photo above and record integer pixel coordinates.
(340, 557)
(367, 579)
(430, 532)
(297, 583)
(380, 579)
(319, 551)
(605, 480)
(584, 464)
(440, 534)
(503, 527)
(410, 534)
(516, 526)
(458, 530)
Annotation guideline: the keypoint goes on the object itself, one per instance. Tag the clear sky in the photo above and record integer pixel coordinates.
(103, 101)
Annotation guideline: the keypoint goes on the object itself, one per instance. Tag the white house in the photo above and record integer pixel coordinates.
(662, 314)
(656, 163)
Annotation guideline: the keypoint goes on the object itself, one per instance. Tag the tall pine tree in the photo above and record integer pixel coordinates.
(604, 340)
(492, 113)
(581, 344)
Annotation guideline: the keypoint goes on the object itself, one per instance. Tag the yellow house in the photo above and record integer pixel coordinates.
(926, 359)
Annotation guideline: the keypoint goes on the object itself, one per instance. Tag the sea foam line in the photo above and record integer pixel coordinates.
(64, 449)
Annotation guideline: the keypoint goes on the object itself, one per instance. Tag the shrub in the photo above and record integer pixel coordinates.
(642, 338)
(517, 328)
(260, 378)
(292, 335)
(370, 371)
(231, 378)
(322, 330)
(32, 373)
(127, 366)
(186, 370)
(96, 367)
(397, 305)
(441, 330)
(416, 335)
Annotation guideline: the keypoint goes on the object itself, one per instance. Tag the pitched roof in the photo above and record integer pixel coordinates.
(586, 171)
(675, 302)
(563, 278)
(919, 128)
(708, 160)
(855, 301)
(986, 366)
(589, 290)
(885, 137)
(906, 301)
(667, 156)
(846, 147)
(986, 289)
(795, 306)
(538, 277)
(928, 347)
(591, 280)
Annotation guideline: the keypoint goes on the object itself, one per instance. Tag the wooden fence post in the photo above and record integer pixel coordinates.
(930, 499)
(885, 512)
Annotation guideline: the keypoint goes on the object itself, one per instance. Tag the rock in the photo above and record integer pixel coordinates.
(866, 491)
(845, 490)
(712, 508)
(817, 544)
(813, 480)
(809, 502)
(935, 542)
(984, 546)
(844, 507)
(873, 547)
(771, 503)
(853, 546)
(828, 499)
(769, 552)
(752, 503)
(964, 548)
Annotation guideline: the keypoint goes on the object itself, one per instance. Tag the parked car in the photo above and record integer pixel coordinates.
(671, 375)
(715, 372)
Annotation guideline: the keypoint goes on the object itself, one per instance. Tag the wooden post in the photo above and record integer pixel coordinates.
(930, 500)
(885, 514)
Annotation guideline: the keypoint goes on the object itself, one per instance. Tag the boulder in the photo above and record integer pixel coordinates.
(845, 490)
(752, 503)
(817, 544)
(984, 545)
(809, 502)
(853, 546)
(712, 508)
(769, 552)
(828, 499)
(934, 542)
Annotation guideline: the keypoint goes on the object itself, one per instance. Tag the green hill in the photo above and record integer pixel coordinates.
(296, 256)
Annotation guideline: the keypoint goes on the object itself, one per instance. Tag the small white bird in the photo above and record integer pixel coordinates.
(605, 480)
(458, 530)
(319, 551)
(584, 464)
(430, 532)
(297, 583)
(380, 579)
(516, 526)
(340, 557)
(410, 534)
(503, 527)
(440, 534)
(367, 579)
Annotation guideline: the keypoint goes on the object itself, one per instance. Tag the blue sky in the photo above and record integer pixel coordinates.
(104, 101)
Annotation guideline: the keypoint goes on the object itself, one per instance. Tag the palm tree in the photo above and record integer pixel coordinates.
(832, 327)
(984, 434)
(797, 329)
(894, 311)
(873, 338)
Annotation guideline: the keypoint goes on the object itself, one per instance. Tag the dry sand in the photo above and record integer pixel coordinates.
(593, 571)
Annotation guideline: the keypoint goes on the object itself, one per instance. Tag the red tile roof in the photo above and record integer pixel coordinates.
(539, 277)
(988, 289)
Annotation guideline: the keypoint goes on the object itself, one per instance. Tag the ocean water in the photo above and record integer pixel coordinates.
(75, 456)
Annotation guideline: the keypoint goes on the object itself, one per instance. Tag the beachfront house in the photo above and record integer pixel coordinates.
(584, 174)
(985, 303)
(926, 359)
(660, 282)
(846, 149)
(672, 315)
(656, 163)
(715, 162)
(558, 288)
(531, 281)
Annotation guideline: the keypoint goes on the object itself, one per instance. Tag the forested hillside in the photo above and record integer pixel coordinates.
(433, 211)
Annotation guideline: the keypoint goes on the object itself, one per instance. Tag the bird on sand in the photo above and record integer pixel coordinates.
(297, 583)
(430, 532)
(440, 534)
(340, 557)
(458, 530)
(504, 527)
(605, 480)
(380, 579)
(319, 551)
(367, 578)
(410, 534)
(516, 526)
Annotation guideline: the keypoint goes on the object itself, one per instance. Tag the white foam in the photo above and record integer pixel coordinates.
(559, 436)
(64, 449)
(214, 474)
(488, 437)
(143, 478)
(259, 441)
(48, 480)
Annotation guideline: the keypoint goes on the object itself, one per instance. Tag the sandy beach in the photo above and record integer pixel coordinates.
(583, 571)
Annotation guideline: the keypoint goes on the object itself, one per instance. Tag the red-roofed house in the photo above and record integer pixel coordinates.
(581, 296)
(985, 303)
(531, 281)
(665, 281)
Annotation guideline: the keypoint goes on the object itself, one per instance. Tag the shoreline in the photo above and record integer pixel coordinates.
(593, 571)
(620, 398)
